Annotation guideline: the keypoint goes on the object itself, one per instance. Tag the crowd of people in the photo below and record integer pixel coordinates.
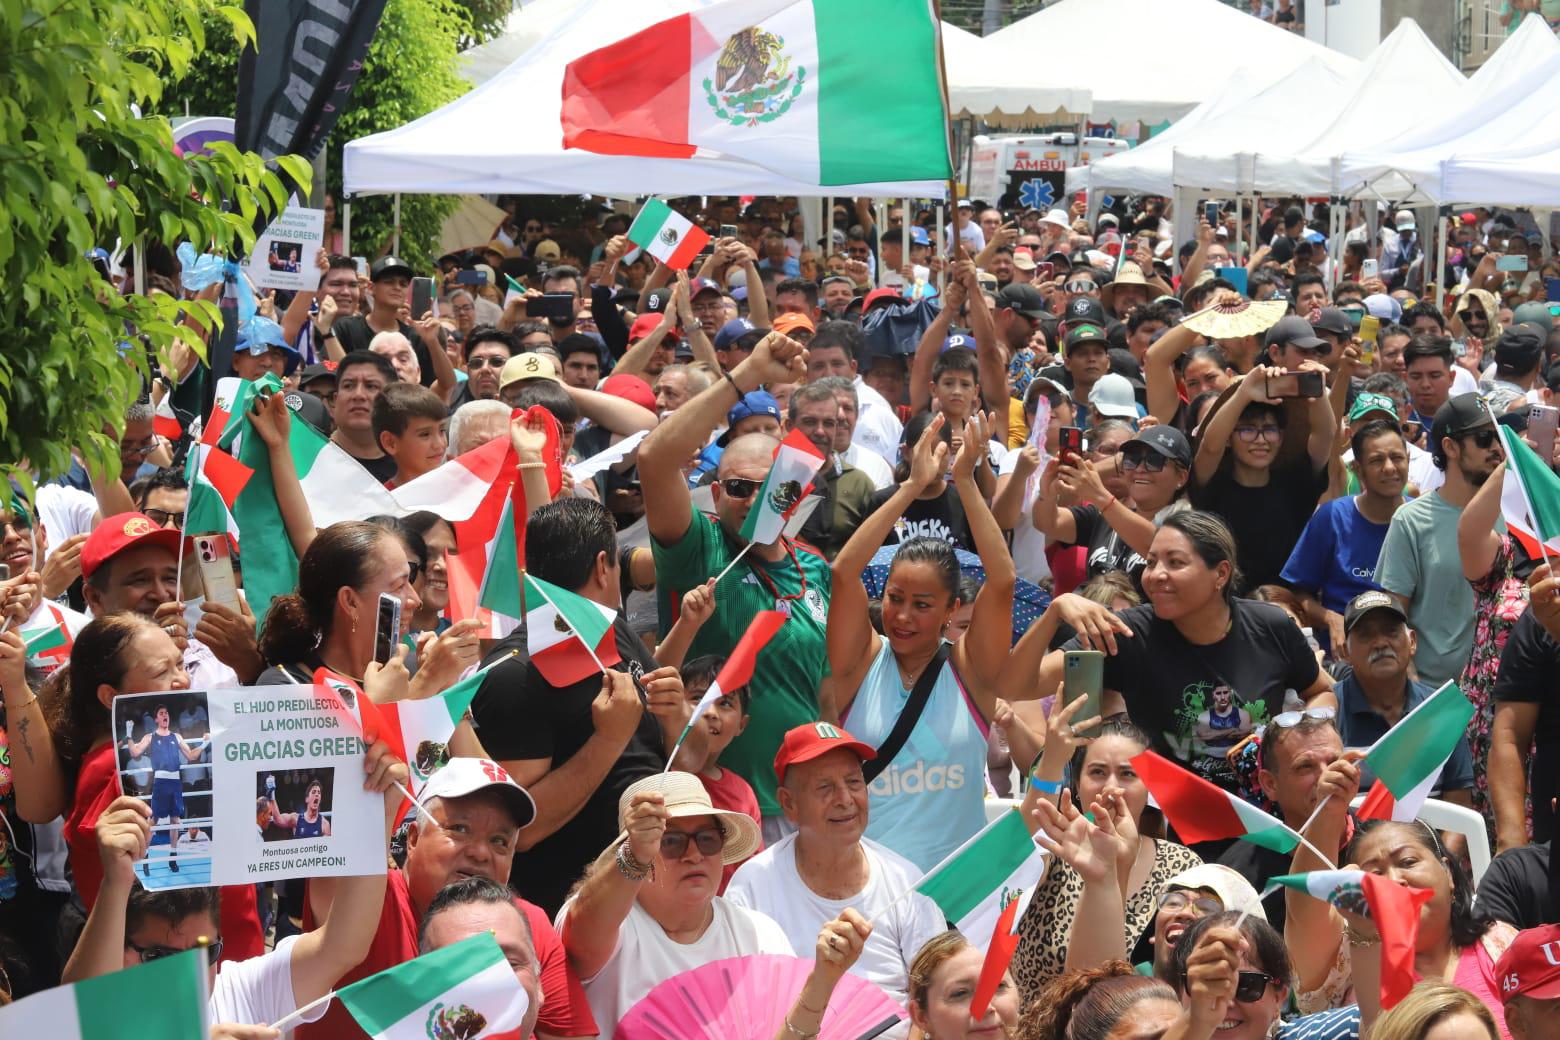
(1264, 480)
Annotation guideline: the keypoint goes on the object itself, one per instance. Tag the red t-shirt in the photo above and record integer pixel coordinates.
(564, 1010)
(96, 788)
(736, 794)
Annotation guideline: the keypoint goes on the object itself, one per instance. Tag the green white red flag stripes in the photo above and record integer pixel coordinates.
(974, 884)
(467, 989)
(1409, 757)
(568, 636)
(793, 86)
(999, 954)
(737, 672)
(165, 421)
(667, 235)
(1393, 907)
(1530, 497)
(52, 640)
(216, 479)
(425, 726)
(161, 999)
(797, 460)
(1201, 811)
(499, 599)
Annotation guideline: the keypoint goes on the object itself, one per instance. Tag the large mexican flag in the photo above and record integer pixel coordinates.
(800, 87)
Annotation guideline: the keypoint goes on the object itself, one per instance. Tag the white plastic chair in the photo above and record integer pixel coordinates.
(1444, 816)
(995, 807)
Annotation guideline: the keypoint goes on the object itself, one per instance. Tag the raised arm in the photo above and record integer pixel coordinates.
(1049, 516)
(697, 607)
(954, 295)
(590, 927)
(698, 342)
(1164, 397)
(38, 776)
(271, 421)
(668, 509)
(983, 651)
(1312, 930)
(618, 414)
(1084, 483)
(1324, 426)
(1477, 542)
(444, 378)
(1198, 260)
(1220, 425)
(1028, 674)
(637, 356)
(1008, 505)
(123, 833)
(988, 359)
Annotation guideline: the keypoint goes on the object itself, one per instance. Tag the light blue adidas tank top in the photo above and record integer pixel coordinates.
(930, 799)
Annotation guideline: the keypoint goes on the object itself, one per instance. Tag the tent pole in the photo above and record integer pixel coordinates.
(1240, 232)
(395, 242)
(942, 253)
(904, 234)
(346, 225)
(1442, 212)
(880, 209)
(828, 229)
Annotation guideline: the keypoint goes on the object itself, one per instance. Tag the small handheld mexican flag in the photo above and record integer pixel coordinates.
(1394, 908)
(978, 880)
(797, 460)
(1530, 497)
(162, 999)
(667, 235)
(737, 672)
(1201, 811)
(424, 727)
(216, 479)
(467, 989)
(50, 640)
(1409, 758)
(568, 636)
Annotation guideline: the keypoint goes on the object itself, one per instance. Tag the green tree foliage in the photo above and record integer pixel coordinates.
(410, 71)
(81, 169)
(488, 18)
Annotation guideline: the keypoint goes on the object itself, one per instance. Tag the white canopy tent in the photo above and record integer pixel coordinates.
(527, 26)
(1405, 65)
(505, 137)
(1164, 78)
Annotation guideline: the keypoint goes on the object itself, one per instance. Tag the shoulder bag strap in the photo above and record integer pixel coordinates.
(908, 716)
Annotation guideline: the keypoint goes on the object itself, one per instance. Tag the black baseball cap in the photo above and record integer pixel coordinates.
(1025, 299)
(308, 408)
(1082, 334)
(1520, 348)
(656, 301)
(1459, 415)
(1293, 330)
(386, 266)
(321, 370)
(1366, 602)
(702, 285)
(1333, 320)
(1084, 310)
(1168, 441)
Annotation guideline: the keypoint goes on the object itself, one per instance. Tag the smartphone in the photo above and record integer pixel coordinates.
(1542, 421)
(213, 557)
(478, 278)
(1295, 384)
(1083, 675)
(1070, 443)
(422, 297)
(362, 265)
(387, 627)
(550, 305)
(1370, 269)
(1211, 214)
(1046, 271)
(728, 231)
(1552, 289)
(1512, 262)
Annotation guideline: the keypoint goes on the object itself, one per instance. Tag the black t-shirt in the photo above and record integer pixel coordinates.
(1266, 521)
(353, 333)
(1517, 888)
(383, 469)
(1107, 552)
(1197, 702)
(1530, 672)
(941, 518)
(519, 715)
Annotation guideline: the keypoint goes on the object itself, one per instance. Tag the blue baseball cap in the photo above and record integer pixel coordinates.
(755, 402)
(958, 339)
(731, 331)
(919, 237)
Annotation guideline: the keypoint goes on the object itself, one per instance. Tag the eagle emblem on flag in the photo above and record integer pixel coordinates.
(669, 235)
(754, 81)
(784, 497)
(455, 1023)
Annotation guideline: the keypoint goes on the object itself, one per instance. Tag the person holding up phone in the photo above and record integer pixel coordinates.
(1243, 473)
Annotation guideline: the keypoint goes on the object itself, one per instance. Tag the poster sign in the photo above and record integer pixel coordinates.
(248, 785)
(283, 257)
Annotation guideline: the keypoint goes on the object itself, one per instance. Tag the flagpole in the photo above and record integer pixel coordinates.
(733, 562)
(284, 1023)
(1246, 911)
(957, 244)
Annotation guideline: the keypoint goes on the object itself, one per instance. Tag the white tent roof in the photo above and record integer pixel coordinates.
(1405, 65)
(1001, 92)
(1065, 45)
(527, 26)
(1408, 166)
(505, 136)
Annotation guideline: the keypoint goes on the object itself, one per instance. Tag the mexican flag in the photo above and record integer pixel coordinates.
(737, 672)
(982, 877)
(216, 479)
(1530, 497)
(667, 235)
(1409, 758)
(51, 640)
(425, 727)
(1004, 943)
(568, 636)
(1201, 811)
(466, 990)
(1394, 908)
(789, 480)
(793, 86)
(162, 999)
(165, 421)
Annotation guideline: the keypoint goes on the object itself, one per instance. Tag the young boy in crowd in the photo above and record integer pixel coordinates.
(411, 425)
(956, 394)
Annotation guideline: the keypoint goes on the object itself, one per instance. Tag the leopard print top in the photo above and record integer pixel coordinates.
(1046, 925)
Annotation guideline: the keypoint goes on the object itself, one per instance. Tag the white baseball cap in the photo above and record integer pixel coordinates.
(465, 776)
(1232, 888)
(1112, 395)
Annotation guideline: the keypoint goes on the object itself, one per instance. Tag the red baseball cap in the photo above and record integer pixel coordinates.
(812, 740)
(875, 295)
(630, 388)
(125, 531)
(1530, 967)
(644, 325)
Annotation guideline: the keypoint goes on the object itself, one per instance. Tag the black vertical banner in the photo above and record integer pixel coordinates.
(293, 87)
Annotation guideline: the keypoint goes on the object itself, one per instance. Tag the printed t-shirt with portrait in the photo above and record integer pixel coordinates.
(940, 518)
(1198, 702)
(784, 689)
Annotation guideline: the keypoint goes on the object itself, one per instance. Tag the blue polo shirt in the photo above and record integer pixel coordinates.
(1335, 557)
(1360, 726)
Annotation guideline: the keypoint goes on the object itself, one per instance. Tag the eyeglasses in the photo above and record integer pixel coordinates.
(487, 362)
(709, 841)
(162, 518)
(1250, 985)
(1079, 287)
(145, 447)
(740, 487)
(1483, 438)
(1181, 899)
(1267, 433)
(1149, 461)
(1291, 719)
(152, 953)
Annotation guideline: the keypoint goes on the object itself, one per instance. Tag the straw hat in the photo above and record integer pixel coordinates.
(1130, 274)
(686, 796)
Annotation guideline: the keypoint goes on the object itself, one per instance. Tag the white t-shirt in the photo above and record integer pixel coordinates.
(645, 955)
(65, 512)
(1028, 546)
(877, 427)
(870, 463)
(769, 882)
(259, 991)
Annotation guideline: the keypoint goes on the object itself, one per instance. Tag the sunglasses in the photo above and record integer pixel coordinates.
(674, 844)
(1079, 287)
(1291, 719)
(1180, 900)
(414, 570)
(161, 517)
(1250, 985)
(1484, 439)
(1151, 461)
(740, 487)
(152, 953)
(487, 362)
